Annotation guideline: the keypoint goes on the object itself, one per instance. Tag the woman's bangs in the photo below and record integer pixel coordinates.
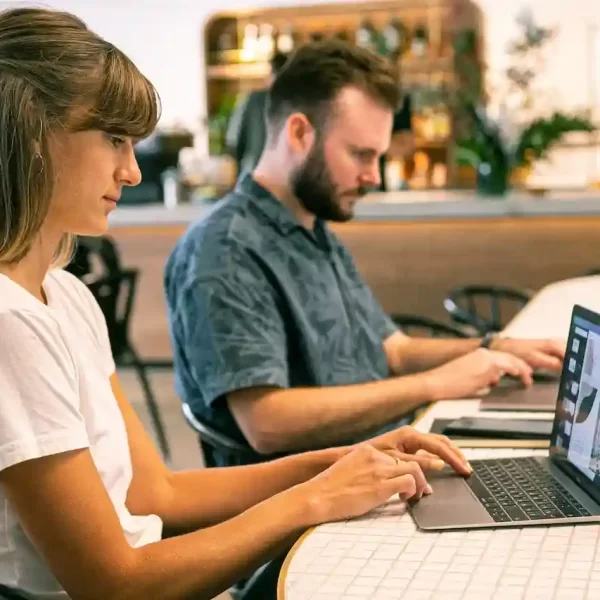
(126, 102)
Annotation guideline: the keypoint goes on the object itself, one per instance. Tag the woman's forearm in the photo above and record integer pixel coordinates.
(203, 564)
(204, 497)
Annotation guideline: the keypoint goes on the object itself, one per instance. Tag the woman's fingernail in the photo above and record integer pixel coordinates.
(428, 489)
(437, 464)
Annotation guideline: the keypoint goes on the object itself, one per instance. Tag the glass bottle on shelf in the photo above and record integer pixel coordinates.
(420, 41)
(429, 132)
(365, 36)
(442, 122)
(266, 42)
(442, 116)
(395, 35)
(285, 40)
(249, 50)
(439, 175)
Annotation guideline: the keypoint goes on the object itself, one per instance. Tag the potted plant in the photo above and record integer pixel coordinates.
(503, 150)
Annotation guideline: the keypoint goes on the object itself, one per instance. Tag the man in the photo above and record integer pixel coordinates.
(246, 133)
(277, 339)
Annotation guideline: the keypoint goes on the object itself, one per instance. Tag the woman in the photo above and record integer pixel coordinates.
(89, 509)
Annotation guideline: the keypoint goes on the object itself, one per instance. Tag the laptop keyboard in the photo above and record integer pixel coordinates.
(520, 489)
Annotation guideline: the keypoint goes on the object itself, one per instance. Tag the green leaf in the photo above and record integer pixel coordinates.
(541, 135)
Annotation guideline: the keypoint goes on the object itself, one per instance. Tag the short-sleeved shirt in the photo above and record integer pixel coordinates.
(256, 299)
(55, 397)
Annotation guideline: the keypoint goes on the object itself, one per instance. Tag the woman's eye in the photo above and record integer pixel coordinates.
(117, 141)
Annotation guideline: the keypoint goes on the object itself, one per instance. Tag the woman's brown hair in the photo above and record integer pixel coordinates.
(56, 74)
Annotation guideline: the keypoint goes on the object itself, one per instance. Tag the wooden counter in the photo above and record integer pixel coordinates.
(400, 206)
(409, 256)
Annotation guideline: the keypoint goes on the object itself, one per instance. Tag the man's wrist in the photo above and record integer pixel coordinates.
(428, 389)
(499, 343)
(489, 340)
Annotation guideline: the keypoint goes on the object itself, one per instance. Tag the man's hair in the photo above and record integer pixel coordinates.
(56, 74)
(278, 61)
(316, 73)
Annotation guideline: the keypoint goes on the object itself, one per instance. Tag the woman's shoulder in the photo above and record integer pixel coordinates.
(66, 280)
(73, 295)
(66, 288)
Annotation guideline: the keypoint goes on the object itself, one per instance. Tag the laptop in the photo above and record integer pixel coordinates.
(560, 488)
(510, 395)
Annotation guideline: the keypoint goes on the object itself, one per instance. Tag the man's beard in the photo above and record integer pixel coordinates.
(313, 185)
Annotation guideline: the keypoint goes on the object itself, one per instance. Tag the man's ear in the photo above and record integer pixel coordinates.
(300, 133)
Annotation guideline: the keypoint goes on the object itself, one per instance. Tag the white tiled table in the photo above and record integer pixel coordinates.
(382, 556)
(548, 314)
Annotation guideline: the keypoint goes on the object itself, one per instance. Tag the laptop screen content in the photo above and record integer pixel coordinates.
(576, 432)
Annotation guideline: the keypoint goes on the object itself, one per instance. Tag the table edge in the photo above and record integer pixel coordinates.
(281, 595)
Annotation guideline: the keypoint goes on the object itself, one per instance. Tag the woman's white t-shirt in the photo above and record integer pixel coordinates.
(55, 396)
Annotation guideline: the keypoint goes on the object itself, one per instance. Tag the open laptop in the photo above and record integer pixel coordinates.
(561, 488)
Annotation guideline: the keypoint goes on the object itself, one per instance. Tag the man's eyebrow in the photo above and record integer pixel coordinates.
(363, 149)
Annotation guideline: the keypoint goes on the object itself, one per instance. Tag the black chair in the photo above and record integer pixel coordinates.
(80, 264)
(480, 306)
(211, 440)
(417, 326)
(235, 453)
(94, 256)
(115, 293)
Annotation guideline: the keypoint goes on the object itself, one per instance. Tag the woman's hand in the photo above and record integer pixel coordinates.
(429, 450)
(360, 481)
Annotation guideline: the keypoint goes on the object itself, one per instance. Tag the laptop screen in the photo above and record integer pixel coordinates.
(576, 432)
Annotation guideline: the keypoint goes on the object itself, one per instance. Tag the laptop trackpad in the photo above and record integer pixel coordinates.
(452, 504)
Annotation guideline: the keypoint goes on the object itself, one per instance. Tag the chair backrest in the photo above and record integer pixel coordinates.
(485, 306)
(108, 252)
(418, 326)
(7, 593)
(81, 264)
(95, 256)
(115, 294)
(234, 451)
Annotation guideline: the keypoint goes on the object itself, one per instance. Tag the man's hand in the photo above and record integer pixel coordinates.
(429, 450)
(469, 375)
(538, 354)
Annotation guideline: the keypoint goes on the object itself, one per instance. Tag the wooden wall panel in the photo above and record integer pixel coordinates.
(409, 265)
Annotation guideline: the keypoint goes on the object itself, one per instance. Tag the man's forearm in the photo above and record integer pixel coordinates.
(413, 355)
(291, 420)
(202, 497)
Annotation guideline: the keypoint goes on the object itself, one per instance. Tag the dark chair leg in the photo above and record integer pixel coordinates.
(263, 584)
(157, 422)
(208, 454)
